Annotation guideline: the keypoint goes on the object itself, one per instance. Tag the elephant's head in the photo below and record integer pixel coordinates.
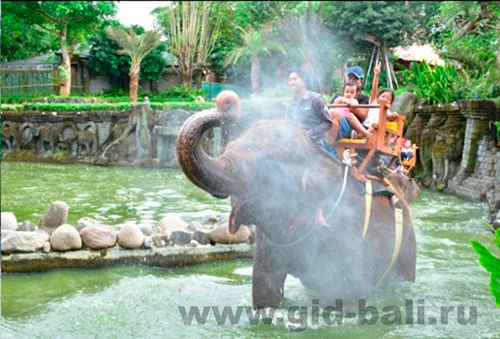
(406, 187)
(27, 131)
(69, 133)
(273, 173)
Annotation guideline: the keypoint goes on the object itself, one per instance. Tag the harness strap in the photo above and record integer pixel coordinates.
(368, 206)
(398, 218)
(293, 242)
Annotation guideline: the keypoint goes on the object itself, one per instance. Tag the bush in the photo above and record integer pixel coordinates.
(189, 106)
(435, 85)
(182, 91)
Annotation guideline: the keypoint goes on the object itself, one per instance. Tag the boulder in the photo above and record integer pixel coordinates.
(84, 222)
(221, 235)
(180, 238)
(130, 236)
(13, 241)
(209, 218)
(223, 218)
(496, 221)
(193, 243)
(171, 223)
(27, 226)
(98, 237)
(194, 226)
(405, 104)
(56, 216)
(146, 229)
(148, 242)
(9, 221)
(202, 236)
(46, 247)
(65, 238)
(159, 240)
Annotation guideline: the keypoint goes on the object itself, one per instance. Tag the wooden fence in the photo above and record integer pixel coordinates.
(37, 81)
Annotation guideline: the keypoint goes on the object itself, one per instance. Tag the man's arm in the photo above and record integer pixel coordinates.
(325, 120)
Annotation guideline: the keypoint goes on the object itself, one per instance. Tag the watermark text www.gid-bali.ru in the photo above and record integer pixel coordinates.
(412, 313)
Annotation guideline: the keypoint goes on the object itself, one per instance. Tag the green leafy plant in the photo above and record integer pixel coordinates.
(435, 85)
(497, 126)
(491, 263)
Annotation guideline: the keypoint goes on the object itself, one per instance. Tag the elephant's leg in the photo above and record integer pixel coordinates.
(268, 279)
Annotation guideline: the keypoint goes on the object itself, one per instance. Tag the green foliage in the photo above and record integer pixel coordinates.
(63, 73)
(394, 23)
(497, 129)
(21, 39)
(190, 106)
(491, 263)
(336, 84)
(435, 85)
(134, 44)
(181, 92)
(467, 35)
(105, 60)
(254, 14)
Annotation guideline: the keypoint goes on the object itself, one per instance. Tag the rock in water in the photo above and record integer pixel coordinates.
(98, 237)
(65, 238)
(130, 236)
(221, 235)
(13, 241)
(27, 226)
(56, 216)
(9, 221)
(84, 222)
(47, 247)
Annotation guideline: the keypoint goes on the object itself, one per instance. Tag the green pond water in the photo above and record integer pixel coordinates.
(143, 302)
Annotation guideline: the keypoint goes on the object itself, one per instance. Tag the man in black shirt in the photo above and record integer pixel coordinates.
(340, 126)
(308, 108)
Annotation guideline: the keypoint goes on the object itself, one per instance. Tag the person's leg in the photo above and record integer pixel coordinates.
(357, 126)
(345, 128)
(334, 131)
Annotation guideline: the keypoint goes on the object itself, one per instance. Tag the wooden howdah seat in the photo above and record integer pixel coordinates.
(408, 164)
(378, 143)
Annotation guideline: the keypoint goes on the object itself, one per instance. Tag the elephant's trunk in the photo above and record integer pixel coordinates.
(214, 175)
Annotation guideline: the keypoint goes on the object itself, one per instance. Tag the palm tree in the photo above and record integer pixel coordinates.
(254, 43)
(137, 47)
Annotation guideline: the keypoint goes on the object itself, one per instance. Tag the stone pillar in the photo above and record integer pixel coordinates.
(478, 113)
(447, 149)
(437, 119)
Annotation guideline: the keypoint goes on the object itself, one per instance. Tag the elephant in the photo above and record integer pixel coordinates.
(276, 178)
(84, 138)
(48, 134)
(10, 136)
(27, 132)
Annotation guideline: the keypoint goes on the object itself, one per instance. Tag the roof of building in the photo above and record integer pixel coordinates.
(419, 53)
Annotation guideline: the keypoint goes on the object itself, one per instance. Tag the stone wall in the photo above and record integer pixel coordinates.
(112, 137)
(456, 152)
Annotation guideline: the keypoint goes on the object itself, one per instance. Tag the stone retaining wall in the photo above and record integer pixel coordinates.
(158, 257)
(457, 153)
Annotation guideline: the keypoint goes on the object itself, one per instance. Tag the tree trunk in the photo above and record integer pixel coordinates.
(66, 64)
(255, 74)
(134, 81)
(187, 79)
